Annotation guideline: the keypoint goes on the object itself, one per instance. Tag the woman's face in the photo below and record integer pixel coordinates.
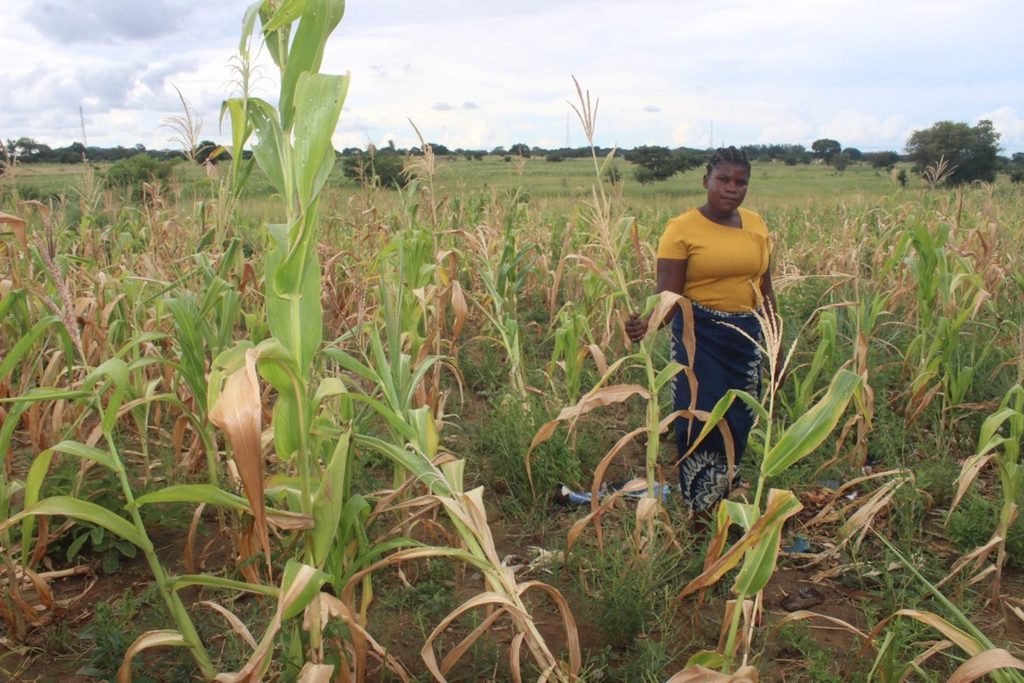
(727, 186)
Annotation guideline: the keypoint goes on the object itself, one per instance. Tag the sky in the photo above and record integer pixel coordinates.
(476, 74)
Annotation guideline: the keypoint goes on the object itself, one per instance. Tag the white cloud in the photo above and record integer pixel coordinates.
(789, 71)
(1009, 125)
(868, 131)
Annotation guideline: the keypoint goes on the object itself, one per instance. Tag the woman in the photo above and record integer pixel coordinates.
(718, 256)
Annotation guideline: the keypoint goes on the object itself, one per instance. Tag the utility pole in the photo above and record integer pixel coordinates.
(85, 142)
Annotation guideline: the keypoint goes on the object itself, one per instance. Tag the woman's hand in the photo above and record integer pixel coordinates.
(636, 328)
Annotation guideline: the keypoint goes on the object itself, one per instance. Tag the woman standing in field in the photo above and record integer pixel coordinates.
(717, 255)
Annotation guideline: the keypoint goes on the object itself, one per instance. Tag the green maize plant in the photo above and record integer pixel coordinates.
(105, 388)
(502, 268)
(758, 547)
(984, 656)
(573, 343)
(999, 443)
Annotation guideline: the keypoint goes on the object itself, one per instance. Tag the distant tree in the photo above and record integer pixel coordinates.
(499, 151)
(883, 159)
(520, 149)
(825, 149)
(853, 153)
(613, 175)
(130, 173)
(554, 157)
(1015, 167)
(841, 162)
(659, 163)
(380, 168)
(29, 151)
(970, 150)
(439, 149)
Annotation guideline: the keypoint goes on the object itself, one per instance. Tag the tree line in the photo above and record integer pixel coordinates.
(968, 153)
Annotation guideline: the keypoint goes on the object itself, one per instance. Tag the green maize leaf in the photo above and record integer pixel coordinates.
(270, 145)
(455, 474)
(417, 377)
(394, 419)
(988, 437)
(667, 373)
(759, 562)
(426, 431)
(296, 280)
(248, 25)
(813, 427)
(287, 12)
(33, 485)
(10, 423)
(350, 363)
(287, 427)
(743, 514)
(223, 366)
(80, 510)
(240, 131)
(299, 586)
(23, 345)
(330, 498)
(192, 365)
(723, 405)
(7, 303)
(176, 583)
(139, 340)
(277, 39)
(117, 371)
(293, 297)
(318, 102)
(194, 493)
(370, 555)
(415, 463)
(706, 658)
(328, 387)
(319, 18)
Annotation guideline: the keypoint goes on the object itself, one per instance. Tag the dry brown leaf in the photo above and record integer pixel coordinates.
(17, 227)
(162, 638)
(315, 673)
(459, 307)
(236, 624)
(238, 412)
(984, 663)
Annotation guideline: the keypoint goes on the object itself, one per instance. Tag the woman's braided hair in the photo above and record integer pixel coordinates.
(728, 155)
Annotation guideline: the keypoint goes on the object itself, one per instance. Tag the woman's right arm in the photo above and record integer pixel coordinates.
(671, 276)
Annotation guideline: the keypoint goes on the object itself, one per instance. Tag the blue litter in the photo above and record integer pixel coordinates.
(799, 545)
(567, 496)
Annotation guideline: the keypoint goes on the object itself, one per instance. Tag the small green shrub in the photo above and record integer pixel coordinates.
(141, 168)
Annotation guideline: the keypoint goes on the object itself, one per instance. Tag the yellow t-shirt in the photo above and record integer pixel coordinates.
(724, 265)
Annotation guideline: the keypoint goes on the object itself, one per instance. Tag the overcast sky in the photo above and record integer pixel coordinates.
(478, 74)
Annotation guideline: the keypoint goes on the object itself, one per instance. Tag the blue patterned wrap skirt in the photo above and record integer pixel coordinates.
(723, 359)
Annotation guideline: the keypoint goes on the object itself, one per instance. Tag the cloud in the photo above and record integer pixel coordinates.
(1009, 125)
(860, 129)
(106, 21)
(442, 106)
(470, 106)
(652, 109)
